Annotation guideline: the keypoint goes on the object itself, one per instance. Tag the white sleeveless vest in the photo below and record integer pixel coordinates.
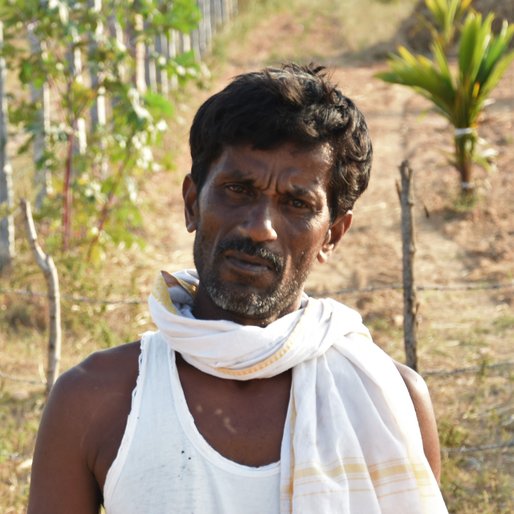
(165, 466)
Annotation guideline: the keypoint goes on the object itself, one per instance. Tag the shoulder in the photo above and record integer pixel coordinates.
(415, 383)
(98, 389)
(422, 402)
(80, 431)
(93, 398)
(102, 361)
(85, 391)
(111, 366)
(102, 371)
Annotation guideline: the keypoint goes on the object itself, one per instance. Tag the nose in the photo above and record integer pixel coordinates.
(258, 224)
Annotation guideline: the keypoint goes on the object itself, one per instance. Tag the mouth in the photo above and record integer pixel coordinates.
(246, 257)
(249, 263)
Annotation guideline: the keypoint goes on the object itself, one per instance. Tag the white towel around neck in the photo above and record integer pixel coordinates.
(353, 443)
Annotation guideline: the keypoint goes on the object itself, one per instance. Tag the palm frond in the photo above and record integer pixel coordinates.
(482, 60)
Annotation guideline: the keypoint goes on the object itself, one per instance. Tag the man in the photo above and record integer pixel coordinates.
(251, 397)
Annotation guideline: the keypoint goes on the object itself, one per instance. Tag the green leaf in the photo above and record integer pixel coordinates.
(184, 15)
(25, 74)
(467, 43)
(158, 105)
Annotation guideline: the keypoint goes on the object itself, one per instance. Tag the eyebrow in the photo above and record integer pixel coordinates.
(237, 174)
(299, 191)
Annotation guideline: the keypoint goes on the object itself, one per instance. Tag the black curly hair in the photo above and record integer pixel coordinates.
(292, 104)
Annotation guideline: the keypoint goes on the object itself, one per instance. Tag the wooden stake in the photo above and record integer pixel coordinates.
(40, 95)
(410, 303)
(7, 250)
(46, 263)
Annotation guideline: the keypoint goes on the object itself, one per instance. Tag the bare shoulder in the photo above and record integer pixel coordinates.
(101, 375)
(113, 367)
(417, 387)
(80, 432)
(97, 393)
(103, 360)
(422, 402)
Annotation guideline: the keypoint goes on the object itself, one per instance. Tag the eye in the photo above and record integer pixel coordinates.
(298, 204)
(237, 188)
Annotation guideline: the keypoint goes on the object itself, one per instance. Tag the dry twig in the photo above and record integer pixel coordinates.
(46, 263)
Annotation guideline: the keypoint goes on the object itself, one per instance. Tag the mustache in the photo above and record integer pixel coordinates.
(246, 245)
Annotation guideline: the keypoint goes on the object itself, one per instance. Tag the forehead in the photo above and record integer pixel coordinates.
(285, 165)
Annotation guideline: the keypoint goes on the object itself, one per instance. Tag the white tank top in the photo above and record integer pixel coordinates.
(165, 466)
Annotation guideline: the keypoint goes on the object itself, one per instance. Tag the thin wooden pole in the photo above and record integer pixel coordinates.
(410, 303)
(139, 54)
(76, 70)
(161, 49)
(205, 28)
(150, 66)
(46, 263)
(98, 110)
(6, 185)
(40, 96)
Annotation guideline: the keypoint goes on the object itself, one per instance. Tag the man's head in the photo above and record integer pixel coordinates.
(293, 104)
(279, 158)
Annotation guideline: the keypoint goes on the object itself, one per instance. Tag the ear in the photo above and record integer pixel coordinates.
(190, 196)
(334, 234)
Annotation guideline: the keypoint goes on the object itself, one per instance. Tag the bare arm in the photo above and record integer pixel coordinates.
(420, 395)
(62, 481)
(80, 432)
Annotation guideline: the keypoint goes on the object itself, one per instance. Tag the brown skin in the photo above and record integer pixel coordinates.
(84, 420)
(420, 395)
(278, 200)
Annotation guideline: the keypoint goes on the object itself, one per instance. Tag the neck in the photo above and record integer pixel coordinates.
(205, 308)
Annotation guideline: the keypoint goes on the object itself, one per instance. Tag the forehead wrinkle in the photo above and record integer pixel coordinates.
(248, 178)
(249, 170)
(238, 174)
(282, 183)
(260, 171)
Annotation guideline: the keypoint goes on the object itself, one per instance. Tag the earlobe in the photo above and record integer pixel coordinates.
(334, 234)
(190, 196)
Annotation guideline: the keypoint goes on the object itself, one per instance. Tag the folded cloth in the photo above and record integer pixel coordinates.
(352, 442)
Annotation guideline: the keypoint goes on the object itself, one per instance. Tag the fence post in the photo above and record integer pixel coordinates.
(150, 63)
(216, 14)
(232, 8)
(172, 50)
(76, 69)
(139, 51)
(98, 112)
(410, 303)
(6, 186)
(116, 33)
(46, 263)
(161, 48)
(40, 96)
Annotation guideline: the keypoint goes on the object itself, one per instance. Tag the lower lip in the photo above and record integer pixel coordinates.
(246, 266)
